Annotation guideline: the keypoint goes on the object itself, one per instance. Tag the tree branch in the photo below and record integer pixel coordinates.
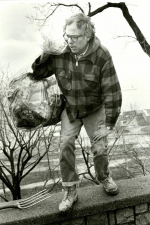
(52, 9)
(89, 8)
(139, 36)
(70, 5)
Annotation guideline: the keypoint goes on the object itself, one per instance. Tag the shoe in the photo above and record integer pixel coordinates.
(69, 198)
(110, 186)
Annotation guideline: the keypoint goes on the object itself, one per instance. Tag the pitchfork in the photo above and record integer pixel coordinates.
(27, 202)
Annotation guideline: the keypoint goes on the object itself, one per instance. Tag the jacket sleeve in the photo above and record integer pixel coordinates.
(111, 92)
(43, 68)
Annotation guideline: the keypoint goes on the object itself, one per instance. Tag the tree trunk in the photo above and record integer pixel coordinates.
(16, 193)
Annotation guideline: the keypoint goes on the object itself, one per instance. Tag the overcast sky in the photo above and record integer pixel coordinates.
(20, 41)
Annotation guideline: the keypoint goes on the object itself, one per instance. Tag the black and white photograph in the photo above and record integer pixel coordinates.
(74, 112)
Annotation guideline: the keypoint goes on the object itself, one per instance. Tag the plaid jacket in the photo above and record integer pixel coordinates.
(86, 84)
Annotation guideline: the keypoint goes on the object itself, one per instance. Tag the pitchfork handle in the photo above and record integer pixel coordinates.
(6, 205)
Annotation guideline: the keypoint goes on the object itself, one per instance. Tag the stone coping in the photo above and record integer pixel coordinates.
(92, 200)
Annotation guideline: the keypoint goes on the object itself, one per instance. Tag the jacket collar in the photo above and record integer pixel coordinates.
(94, 43)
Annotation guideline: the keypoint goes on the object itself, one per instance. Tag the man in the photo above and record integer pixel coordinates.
(88, 80)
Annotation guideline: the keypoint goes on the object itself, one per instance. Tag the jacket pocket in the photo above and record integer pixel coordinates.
(64, 79)
(90, 82)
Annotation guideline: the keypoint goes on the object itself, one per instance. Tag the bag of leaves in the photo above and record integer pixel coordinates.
(33, 103)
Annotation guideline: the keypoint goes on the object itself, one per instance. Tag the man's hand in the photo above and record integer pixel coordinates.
(100, 133)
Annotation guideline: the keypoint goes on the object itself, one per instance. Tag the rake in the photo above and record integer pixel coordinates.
(27, 202)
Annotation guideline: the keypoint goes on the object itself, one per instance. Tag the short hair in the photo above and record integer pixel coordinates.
(83, 22)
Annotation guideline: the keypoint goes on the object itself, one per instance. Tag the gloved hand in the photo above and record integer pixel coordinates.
(103, 131)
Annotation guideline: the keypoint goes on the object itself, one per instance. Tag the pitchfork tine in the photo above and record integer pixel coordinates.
(32, 204)
(33, 200)
(28, 202)
(34, 196)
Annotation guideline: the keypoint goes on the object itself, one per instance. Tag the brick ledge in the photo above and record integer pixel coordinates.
(92, 200)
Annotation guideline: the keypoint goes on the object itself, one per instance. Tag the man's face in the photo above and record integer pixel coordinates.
(77, 46)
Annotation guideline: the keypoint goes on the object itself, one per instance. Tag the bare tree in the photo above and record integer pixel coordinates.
(48, 9)
(134, 157)
(21, 151)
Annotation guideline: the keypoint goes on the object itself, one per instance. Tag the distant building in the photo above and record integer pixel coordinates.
(146, 114)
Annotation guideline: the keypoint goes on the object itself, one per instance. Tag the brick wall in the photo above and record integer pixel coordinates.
(94, 207)
(136, 215)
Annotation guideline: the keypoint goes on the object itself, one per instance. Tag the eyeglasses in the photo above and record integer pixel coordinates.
(73, 38)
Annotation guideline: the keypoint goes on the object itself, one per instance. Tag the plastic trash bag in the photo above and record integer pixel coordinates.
(33, 104)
